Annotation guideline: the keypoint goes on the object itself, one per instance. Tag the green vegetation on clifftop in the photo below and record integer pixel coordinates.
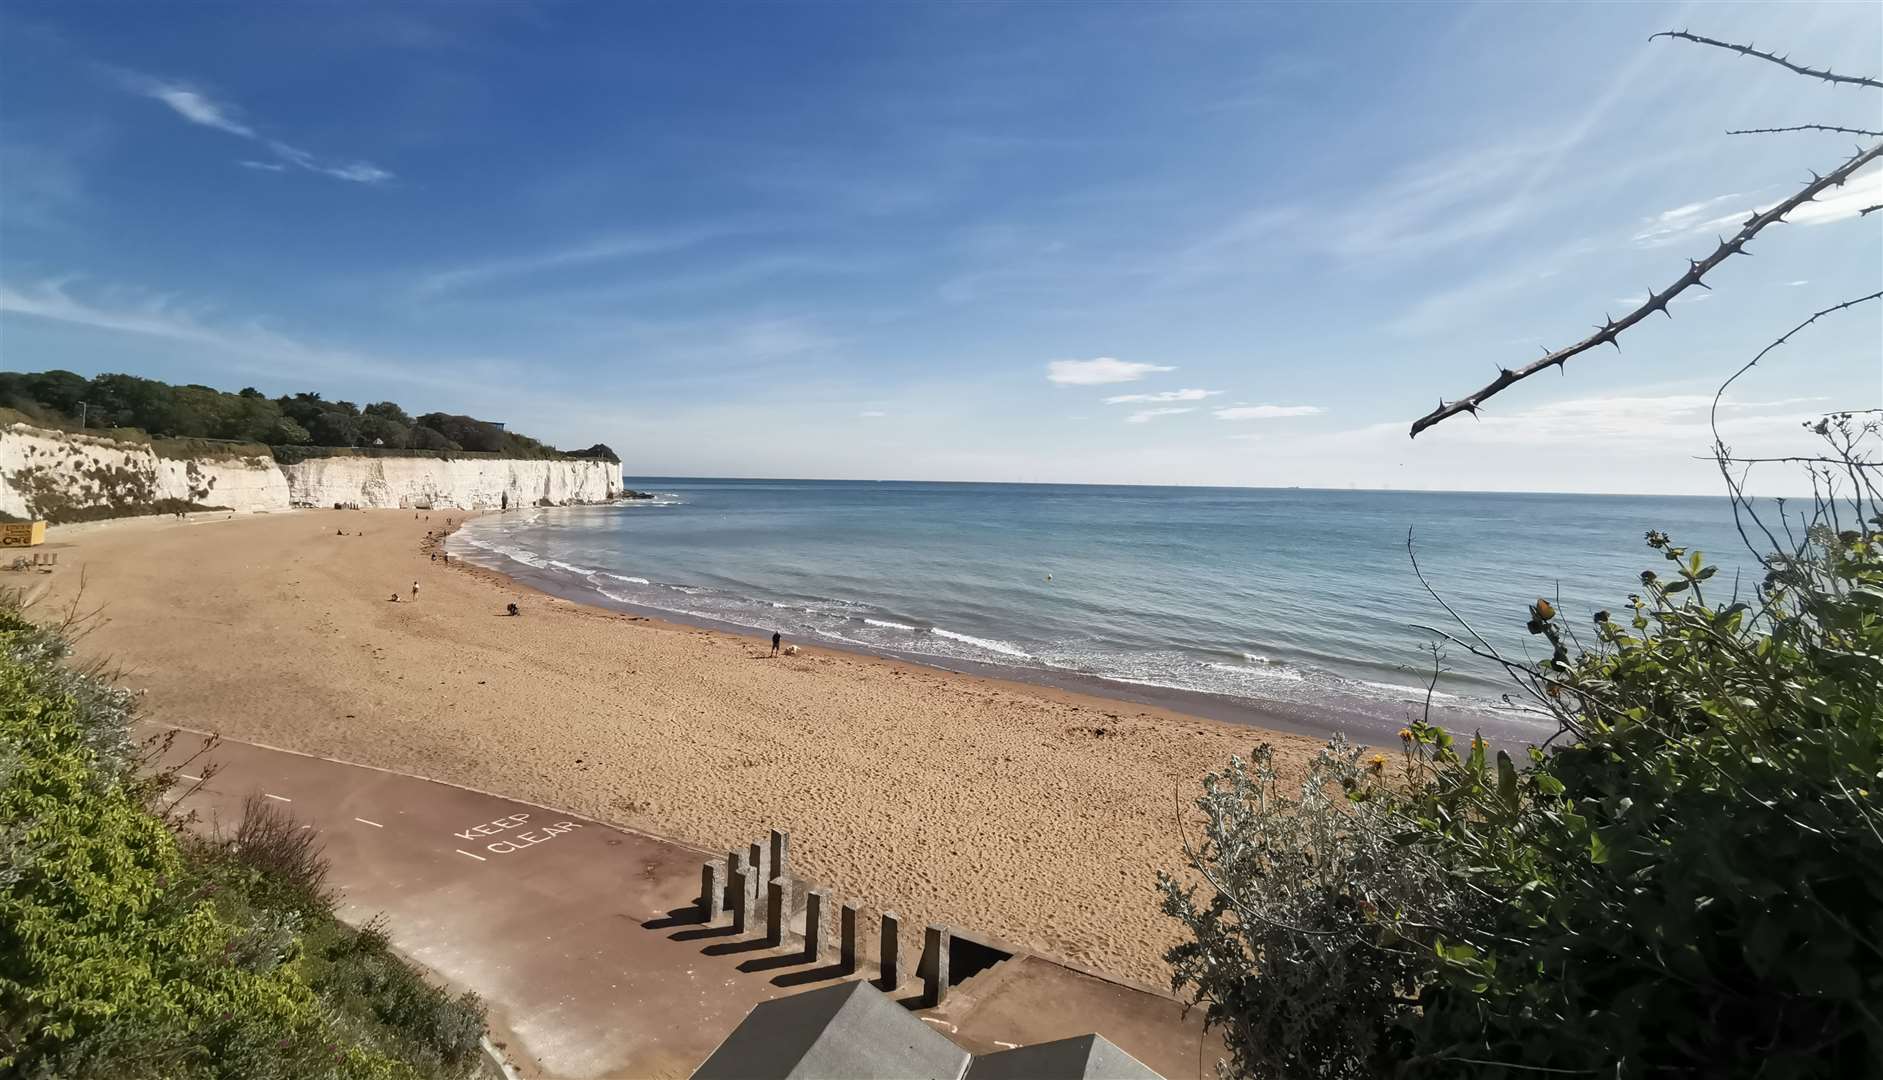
(137, 407)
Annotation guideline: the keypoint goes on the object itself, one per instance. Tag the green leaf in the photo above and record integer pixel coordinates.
(1507, 781)
(1598, 850)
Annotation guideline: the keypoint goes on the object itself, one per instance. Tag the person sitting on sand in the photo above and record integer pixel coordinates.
(776, 638)
(395, 598)
(514, 611)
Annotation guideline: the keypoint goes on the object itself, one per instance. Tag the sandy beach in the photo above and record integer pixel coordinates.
(1035, 815)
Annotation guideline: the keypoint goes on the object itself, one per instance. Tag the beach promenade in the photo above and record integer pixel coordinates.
(582, 938)
(1023, 813)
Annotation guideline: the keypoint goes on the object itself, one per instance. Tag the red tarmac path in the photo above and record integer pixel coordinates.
(578, 935)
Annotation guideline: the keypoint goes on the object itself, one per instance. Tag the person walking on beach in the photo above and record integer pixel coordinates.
(776, 638)
(415, 592)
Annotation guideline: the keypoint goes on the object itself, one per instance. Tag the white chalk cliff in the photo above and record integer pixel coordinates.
(67, 476)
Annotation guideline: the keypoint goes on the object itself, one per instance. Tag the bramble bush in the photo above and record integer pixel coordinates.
(1691, 884)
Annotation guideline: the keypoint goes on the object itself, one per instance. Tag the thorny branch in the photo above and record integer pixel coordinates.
(1807, 127)
(1697, 269)
(1748, 50)
(1722, 452)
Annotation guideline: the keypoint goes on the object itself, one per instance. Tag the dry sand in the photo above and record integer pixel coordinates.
(1034, 815)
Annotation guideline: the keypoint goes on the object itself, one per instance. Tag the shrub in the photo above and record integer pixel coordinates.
(286, 860)
(128, 951)
(1692, 884)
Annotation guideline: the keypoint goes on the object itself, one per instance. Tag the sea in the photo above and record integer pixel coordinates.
(1290, 608)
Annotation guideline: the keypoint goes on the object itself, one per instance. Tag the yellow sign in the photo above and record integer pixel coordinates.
(22, 533)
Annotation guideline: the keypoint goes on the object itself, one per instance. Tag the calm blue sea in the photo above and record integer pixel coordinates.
(1258, 596)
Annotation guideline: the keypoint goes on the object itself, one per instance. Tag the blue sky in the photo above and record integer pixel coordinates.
(896, 240)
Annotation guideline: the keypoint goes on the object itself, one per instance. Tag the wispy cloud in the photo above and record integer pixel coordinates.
(1167, 395)
(1671, 226)
(1696, 220)
(1099, 371)
(198, 107)
(1145, 416)
(257, 347)
(871, 414)
(605, 249)
(1266, 412)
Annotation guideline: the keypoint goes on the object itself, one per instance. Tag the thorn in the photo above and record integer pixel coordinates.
(1703, 284)
(1506, 373)
(1615, 343)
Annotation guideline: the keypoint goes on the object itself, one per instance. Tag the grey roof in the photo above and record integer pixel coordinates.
(1082, 1057)
(848, 1030)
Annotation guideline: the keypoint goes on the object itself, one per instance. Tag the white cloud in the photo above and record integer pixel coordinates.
(1145, 416)
(1797, 283)
(1167, 395)
(1097, 372)
(1685, 222)
(1669, 226)
(872, 413)
(198, 108)
(1266, 412)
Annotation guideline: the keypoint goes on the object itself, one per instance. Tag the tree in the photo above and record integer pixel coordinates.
(468, 433)
(425, 438)
(378, 430)
(599, 450)
(288, 433)
(386, 410)
(335, 429)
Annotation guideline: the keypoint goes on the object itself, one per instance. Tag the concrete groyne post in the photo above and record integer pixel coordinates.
(742, 903)
(735, 862)
(756, 860)
(775, 913)
(890, 962)
(815, 901)
(781, 853)
(935, 944)
(712, 891)
(847, 938)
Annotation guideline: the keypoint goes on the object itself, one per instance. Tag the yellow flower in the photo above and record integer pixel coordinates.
(1405, 734)
(1376, 762)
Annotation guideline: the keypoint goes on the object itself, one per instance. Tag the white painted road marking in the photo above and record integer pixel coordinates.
(187, 776)
(479, 858)
(278, 798)
(374, 824)
(1008, 1045)
(942, 1023)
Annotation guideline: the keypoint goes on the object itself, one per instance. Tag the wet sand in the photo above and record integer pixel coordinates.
(1033, 814)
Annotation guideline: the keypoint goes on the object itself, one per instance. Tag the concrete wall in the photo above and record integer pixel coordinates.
(467, 483)
(58, 475)
(63, 476)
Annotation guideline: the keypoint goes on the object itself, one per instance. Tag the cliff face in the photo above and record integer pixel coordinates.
(64, 477)
(465, 483)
